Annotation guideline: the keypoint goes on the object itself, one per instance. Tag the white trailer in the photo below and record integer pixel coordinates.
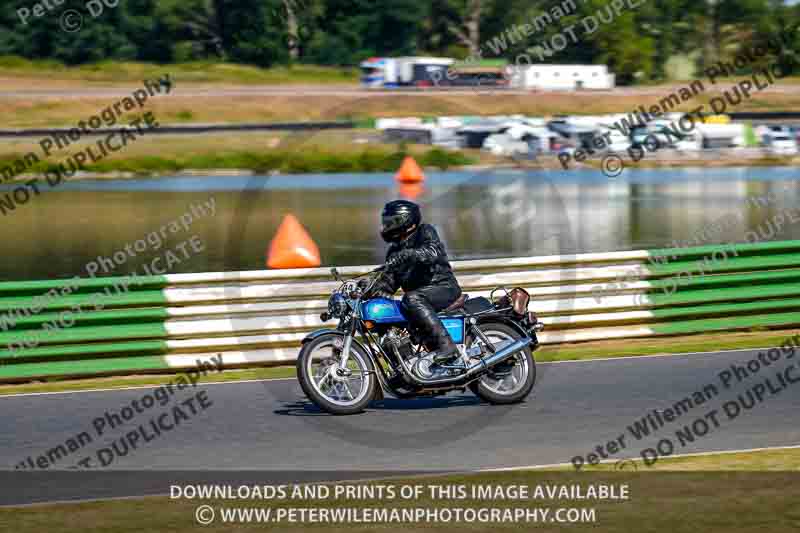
(561, 77)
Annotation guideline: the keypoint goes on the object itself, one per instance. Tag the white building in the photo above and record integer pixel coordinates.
(561, 77)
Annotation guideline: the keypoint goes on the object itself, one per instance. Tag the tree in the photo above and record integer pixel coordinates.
(466, 25)
(198, 22)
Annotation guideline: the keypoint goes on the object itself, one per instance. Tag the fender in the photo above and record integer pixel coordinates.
(317, 333)
(514, 325)
(320, 332)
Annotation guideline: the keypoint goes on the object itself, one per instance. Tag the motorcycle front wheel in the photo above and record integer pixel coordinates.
(336, 391)
(513, 386)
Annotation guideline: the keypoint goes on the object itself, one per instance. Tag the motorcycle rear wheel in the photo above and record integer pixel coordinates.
(514, 387)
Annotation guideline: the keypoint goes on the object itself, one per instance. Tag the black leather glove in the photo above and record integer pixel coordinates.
(398, 259)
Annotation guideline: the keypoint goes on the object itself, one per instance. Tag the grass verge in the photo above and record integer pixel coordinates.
(308, 152)
(660, 500)
(120, 73)
(777, 460)
(562, 352)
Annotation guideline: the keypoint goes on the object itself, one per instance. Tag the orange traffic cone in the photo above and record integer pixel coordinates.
(411, 191)
(292, 246)
(409, 172)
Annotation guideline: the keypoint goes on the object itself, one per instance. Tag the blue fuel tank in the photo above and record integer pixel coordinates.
(382, 311)
(386, 311)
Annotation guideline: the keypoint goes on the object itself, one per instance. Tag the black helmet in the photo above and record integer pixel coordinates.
(398, 218)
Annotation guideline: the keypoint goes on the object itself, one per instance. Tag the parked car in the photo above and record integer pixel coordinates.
(645, 135)
(505, 144)
(795, 133)
(619, 142)
(781, 143)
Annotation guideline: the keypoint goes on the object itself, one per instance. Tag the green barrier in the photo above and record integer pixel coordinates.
(673, 283)
(739, 287)
(727, 309)
(85, 301)
(121, 316)
(73, 335)
(727, 323)
(108, 349)
(120, 365)
(731, 264)
(82, 284)
(742, 249)
(731, 294)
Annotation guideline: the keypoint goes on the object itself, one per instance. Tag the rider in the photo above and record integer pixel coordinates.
(417, 262)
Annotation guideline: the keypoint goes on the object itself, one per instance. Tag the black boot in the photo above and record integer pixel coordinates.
(447, 350)
(424, 317)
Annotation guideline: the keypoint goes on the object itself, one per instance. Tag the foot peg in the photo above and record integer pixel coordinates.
(445, 356)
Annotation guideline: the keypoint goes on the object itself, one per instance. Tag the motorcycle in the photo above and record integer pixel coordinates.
(374, 350)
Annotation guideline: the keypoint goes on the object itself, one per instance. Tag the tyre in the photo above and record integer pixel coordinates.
(335, 392)
(515, 386)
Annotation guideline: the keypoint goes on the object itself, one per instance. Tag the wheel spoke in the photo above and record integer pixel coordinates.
(323, 367)
(325, 377)
(347, 388)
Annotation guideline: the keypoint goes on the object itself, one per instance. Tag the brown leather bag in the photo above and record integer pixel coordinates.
(517, 298)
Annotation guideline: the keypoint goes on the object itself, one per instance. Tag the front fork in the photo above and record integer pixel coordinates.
(348, 342)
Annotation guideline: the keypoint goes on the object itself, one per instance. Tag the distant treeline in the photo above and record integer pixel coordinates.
(641, 40)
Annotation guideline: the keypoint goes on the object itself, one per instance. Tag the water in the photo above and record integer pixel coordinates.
(479, 214)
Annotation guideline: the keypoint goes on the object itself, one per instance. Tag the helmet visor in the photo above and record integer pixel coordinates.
(392, 223)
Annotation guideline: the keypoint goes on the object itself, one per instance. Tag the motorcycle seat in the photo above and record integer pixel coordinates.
(458, 304)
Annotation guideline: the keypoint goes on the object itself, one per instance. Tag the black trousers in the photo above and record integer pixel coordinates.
(421, 306)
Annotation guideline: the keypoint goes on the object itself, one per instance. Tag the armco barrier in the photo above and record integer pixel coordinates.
(259, 317)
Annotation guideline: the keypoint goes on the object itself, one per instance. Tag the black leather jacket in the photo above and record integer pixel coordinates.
(420, 261)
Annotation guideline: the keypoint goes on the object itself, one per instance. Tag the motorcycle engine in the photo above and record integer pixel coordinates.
(397, 342)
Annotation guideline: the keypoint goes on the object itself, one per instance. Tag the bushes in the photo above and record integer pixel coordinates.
(306, 161)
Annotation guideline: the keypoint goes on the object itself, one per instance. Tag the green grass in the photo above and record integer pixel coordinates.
(308, 160)
(705, 500)
(778, 460)
(119, 382)
(191, 72)
(565, 352)
(662, 345)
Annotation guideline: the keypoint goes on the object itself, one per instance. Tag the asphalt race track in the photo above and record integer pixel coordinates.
(575, 407)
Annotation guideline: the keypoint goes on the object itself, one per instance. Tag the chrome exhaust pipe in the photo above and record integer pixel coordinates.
(498, 357)
(484, 364)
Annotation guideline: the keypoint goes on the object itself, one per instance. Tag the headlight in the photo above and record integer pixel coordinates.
(337, 305)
